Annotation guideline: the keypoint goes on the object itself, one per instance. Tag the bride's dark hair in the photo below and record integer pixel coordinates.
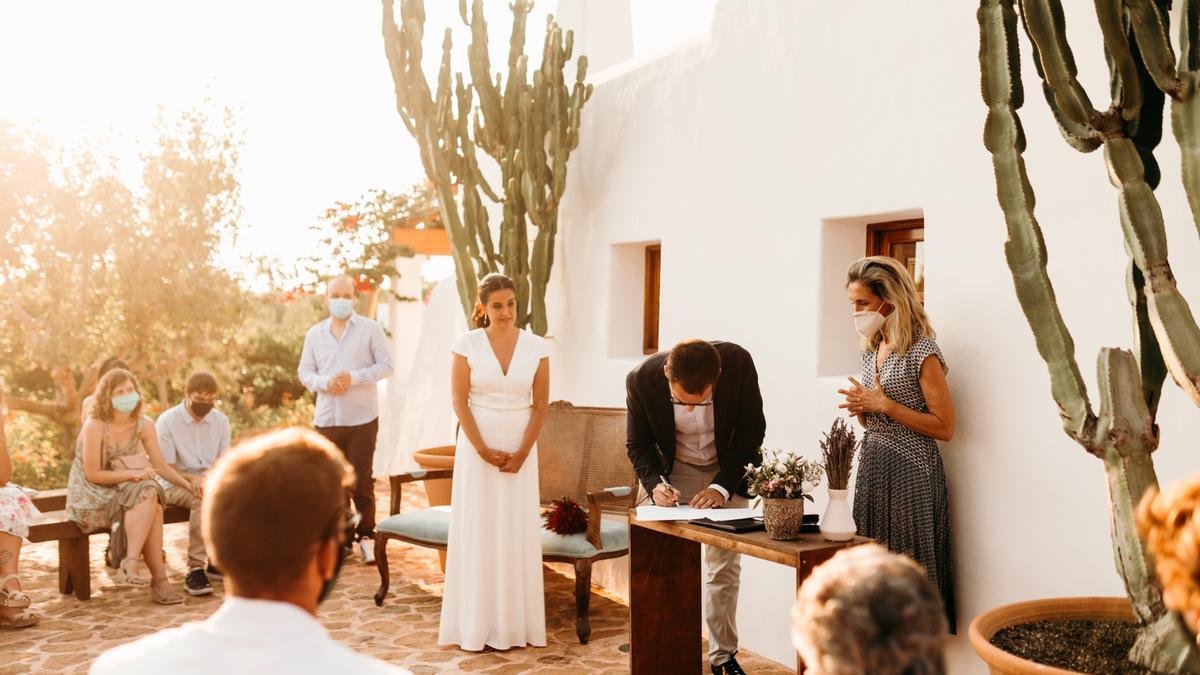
(488, 285)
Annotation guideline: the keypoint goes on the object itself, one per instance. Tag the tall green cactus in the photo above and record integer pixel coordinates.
(1142, 73)
(529, 127)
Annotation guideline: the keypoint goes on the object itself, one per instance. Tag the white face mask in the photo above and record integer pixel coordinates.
(868, 323)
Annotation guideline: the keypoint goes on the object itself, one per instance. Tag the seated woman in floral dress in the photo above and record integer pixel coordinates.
(16, 512)
(113, 481)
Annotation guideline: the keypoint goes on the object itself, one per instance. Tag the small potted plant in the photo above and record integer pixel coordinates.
(838, 450)
(784, 481)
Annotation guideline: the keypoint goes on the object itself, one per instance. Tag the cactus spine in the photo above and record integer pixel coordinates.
(528, 126)
(1124, 434)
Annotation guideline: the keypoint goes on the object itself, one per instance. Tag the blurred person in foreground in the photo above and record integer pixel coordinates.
(275, 518)
(866, 610)
(1169, 523)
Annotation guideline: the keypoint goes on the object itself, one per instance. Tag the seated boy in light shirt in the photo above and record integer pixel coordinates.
(192, 436)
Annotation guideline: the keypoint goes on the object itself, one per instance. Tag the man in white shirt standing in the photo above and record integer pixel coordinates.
(275, 517)
(192, 435)
(344, 357)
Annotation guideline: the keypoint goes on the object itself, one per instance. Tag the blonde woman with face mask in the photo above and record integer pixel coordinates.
(902, 401)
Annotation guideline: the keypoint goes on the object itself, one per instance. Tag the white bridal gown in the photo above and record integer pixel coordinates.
(493, 592)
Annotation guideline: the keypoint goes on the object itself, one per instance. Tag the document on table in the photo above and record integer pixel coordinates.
(651, 513)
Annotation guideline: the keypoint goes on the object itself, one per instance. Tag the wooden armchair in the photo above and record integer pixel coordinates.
(581, 455)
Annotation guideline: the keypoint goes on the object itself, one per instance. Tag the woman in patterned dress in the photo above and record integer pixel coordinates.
(113, 480)
(16, 512)
(900, 496)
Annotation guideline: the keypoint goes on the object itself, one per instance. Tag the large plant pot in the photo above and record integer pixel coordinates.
(438, 491)
(991, 622)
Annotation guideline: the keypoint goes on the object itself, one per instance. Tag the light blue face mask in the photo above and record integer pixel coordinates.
(341, 307)
(125, 402)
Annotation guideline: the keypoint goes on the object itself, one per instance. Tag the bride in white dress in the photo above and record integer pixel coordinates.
(501, 387)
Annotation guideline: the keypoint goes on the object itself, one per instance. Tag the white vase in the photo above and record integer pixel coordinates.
(838, 523)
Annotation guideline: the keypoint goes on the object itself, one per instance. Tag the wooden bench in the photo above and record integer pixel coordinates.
(74, 569)
(581, 455)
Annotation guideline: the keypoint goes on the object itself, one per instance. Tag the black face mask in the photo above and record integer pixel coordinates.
(200, 408)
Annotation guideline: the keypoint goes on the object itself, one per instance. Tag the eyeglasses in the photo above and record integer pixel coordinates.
(692, 405)
(346, 524)
(711, 395)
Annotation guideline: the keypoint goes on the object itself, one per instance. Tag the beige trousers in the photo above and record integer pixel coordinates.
(723, 568)
(177, 496)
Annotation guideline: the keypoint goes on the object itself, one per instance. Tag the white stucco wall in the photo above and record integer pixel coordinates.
(747, 157)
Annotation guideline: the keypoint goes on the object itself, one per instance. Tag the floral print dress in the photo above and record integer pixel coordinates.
(97, 507)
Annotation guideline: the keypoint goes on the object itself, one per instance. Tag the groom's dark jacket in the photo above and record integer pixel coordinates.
(737, 418)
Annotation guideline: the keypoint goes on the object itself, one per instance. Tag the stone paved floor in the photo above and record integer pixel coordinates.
(403, 631)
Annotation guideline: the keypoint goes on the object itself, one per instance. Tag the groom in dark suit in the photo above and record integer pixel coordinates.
(695, 418)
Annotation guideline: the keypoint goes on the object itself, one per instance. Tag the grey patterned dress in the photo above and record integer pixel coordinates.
(900, 494)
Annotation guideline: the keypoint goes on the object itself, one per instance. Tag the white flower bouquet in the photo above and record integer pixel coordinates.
(784, 475)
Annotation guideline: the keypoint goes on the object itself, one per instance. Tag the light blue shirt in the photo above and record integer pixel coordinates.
(362, 352)
(192, 445)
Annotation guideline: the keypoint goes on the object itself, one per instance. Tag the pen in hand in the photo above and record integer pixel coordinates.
(670, 490)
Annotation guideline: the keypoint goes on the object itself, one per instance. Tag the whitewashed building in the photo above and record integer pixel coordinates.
(755, 154)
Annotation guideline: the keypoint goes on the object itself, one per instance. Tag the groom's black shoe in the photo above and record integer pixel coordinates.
(730, 667)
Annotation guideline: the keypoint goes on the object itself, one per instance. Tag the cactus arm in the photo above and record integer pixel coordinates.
(1079, 136)
(1149, 24)
(1189, 37)
(1146, 241)
(1126, 83)
(1126, 429)
(1149, 356)
(1025, 249)
(493, 137)
(1185, 123)
(1046, 27)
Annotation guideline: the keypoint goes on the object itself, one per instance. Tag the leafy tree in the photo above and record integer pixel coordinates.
(91, 267)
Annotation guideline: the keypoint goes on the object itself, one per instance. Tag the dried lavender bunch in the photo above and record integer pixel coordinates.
(838, 450)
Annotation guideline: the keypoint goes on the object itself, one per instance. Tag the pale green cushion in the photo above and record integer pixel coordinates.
(431, 526)
(614, 535)
(426, 525)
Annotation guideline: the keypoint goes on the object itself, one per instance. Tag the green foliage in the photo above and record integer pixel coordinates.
(92, 266)
(357, 236)
(247, 422)
(269, 369)
(35, 445)
(528, 123)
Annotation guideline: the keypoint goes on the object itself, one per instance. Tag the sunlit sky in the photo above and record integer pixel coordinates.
(309, 81)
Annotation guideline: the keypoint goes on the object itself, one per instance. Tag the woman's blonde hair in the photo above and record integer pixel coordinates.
(1169, 522)
(102, 407)
(888, 279)
(867, 610)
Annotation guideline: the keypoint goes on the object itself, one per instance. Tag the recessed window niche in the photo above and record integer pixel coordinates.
(635, 285)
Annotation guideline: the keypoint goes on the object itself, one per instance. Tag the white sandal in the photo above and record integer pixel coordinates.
(13, 599)
(124, 577)
(16, 600)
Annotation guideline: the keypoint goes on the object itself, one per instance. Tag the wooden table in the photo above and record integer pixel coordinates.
(665, 580)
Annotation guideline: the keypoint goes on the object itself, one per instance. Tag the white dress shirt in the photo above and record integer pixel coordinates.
(192, 445)
(696, 438)
(243, 636)
(363, 352)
